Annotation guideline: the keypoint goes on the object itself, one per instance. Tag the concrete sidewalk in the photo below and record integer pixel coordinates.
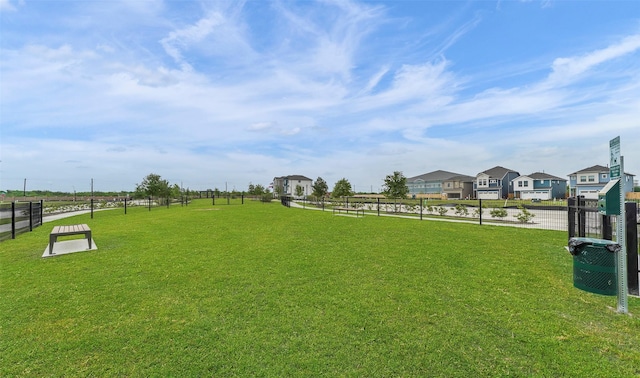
(54, 217)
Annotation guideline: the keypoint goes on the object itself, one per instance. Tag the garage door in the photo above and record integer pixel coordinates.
(589, 194)
(535, 194)
(489, 194)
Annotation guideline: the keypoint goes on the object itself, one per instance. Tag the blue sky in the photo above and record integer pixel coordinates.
(209, 94)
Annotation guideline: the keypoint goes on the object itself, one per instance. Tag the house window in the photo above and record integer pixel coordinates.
(519, 184)
(604, 176)
(592, 178)
(583, 178)
(526, 184)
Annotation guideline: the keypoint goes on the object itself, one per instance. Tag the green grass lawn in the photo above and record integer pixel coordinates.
(264, 290)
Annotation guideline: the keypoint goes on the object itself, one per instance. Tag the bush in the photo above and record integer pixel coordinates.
(267, 197)
(498, 213)
(461, 210)
(525, 215)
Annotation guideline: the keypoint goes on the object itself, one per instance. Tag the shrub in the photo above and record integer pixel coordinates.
(498, 213)
(525, 215)
(461, 210)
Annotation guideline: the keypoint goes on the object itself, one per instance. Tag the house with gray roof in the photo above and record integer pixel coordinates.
(429, 183)
(495, 183)
(589, 181)
(286, 185)
(540, 186)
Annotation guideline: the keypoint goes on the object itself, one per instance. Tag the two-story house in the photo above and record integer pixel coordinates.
(589, 181)
(458, 187)
(428, 183)
(495, 183)
(539, 185)
(286, 185)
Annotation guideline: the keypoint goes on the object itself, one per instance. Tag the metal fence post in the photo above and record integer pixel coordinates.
(91, 208)
(30, 216)
(480, 207)
(571, 216)
(13, 220)
(378, 206)
(607, 229)
(582, 217)
(631, 213)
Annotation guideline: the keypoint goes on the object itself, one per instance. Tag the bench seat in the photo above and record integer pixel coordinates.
(75, 229)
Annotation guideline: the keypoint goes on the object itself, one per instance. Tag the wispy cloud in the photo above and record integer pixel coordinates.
(567, 70)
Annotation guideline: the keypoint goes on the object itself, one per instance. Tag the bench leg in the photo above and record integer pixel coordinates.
(89, 238)
(52, 240)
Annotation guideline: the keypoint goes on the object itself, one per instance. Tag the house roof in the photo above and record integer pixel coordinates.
(498, 171)
(599, 169)
(544, 176)
(595, 168)
(463, 178)
(438, 175)
(295, 177)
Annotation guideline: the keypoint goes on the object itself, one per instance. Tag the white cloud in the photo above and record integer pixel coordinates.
(566, 70)
(5, 5)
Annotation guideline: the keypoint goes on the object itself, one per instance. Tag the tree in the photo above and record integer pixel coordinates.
(342, 188)
(153, 185)
(395, 185)
(252, 189)
(175, 191)
(320, 188)
(259, 190)
(299, 191)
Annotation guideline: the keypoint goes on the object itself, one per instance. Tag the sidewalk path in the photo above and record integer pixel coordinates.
(54, 217)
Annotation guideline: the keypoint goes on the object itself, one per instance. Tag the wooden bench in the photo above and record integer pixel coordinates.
(75, 229)
(347, 210)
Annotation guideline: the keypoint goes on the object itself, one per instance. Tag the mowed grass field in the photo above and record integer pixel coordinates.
(264, 290)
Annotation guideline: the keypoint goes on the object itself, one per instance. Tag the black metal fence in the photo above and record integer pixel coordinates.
(550, 215)
(19, 217)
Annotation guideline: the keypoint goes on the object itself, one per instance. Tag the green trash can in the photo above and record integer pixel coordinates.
(594, 265)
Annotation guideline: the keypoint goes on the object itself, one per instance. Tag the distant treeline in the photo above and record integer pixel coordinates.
(48, 193)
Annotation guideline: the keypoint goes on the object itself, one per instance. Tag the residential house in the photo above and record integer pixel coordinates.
(539, 185)
(589, 181)
(286, 185)
(428, 183)
(458, 187)
(495, 183)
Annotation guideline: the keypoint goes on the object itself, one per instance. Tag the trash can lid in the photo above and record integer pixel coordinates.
(577, 244)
